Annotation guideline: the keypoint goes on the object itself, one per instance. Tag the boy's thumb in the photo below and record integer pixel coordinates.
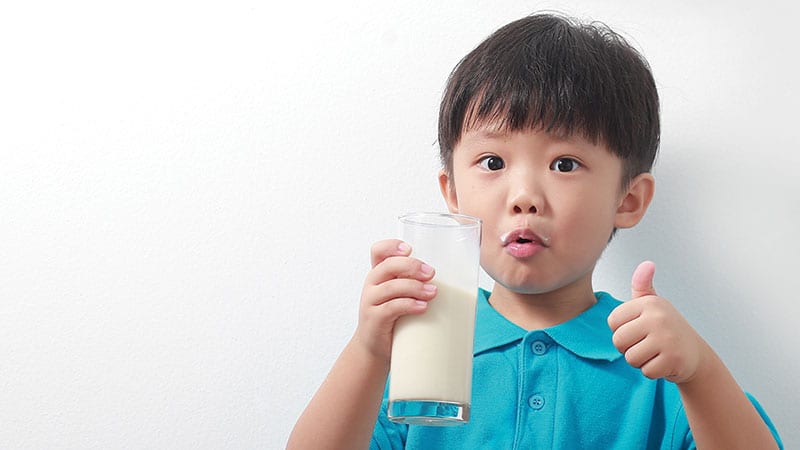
(642, 281)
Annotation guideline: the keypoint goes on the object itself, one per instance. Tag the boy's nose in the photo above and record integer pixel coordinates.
(526, 194)
(521, 208)
(526, 201)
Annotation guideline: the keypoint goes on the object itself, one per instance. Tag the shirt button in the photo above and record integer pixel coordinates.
(539, 348)
(536, 402)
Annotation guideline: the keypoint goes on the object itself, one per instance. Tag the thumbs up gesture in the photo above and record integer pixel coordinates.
(653, 335)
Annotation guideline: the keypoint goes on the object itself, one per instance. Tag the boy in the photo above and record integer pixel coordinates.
(548, 131)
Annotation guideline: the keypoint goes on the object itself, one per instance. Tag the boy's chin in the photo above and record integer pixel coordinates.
(526, 288)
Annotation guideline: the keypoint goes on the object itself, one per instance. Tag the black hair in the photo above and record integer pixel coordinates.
(553, 73)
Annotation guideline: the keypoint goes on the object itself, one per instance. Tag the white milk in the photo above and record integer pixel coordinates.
(432, 352)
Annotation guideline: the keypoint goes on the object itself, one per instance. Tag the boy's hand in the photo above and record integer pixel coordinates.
(653, 335)
(397, 285)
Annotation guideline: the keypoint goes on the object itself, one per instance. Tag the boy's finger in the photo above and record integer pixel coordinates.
(642, 280)
(399, 267)
(399, 288)
(623, 314)
(388, 248)
(398, 307)
(641, 353)
(628, 335)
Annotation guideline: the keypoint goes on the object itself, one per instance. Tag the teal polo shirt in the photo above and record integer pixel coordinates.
(564, 387)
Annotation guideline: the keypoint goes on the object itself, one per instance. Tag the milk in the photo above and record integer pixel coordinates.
(432, 352)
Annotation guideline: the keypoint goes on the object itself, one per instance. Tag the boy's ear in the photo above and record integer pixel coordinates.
(448, 191)
(634, 203)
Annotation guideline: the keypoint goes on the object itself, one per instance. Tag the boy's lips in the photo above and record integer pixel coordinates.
(523, 242)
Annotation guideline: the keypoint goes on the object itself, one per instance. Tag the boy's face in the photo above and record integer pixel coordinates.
(548, 204)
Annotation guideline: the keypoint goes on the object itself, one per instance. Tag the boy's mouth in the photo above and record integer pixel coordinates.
(523, 236)
(523, 243)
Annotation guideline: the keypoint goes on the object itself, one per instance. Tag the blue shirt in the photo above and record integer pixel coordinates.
(564, 387)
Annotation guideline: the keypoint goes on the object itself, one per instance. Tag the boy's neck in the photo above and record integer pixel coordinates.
(539, 311)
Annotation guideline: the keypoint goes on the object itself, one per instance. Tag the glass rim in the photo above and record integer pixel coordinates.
(418, 218)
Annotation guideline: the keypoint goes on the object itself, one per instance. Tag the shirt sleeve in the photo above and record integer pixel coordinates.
(387, 435)
(766, 420)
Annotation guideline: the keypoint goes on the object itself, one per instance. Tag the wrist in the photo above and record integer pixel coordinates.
(368, 353)
(708, 366)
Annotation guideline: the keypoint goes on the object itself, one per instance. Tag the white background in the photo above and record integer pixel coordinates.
(188, 193)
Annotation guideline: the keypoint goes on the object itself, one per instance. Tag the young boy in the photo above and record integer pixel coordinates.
(548, 131)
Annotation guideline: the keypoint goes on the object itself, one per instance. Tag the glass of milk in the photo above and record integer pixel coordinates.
(430, 380)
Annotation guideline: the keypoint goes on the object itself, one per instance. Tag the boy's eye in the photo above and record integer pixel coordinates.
(565, 165)
(492, 163)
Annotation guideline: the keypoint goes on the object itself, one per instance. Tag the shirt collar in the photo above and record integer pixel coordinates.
(587, 335)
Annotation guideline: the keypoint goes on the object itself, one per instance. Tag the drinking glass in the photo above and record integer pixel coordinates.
(431, 366)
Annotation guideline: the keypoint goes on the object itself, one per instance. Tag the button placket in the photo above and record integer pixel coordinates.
(539, 347)
(538, 357)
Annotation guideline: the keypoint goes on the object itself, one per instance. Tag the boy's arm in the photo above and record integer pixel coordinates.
(655, 338)
(719, 413)
(343, 412)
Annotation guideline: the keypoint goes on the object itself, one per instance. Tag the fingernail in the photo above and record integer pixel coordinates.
(426, 269)
(421, 303)
(430, 288)
(403, 247)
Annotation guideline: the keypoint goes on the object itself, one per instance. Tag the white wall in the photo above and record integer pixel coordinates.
(188, 192)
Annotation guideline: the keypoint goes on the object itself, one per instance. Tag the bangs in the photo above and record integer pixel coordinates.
(560, 77)
(521, 108)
